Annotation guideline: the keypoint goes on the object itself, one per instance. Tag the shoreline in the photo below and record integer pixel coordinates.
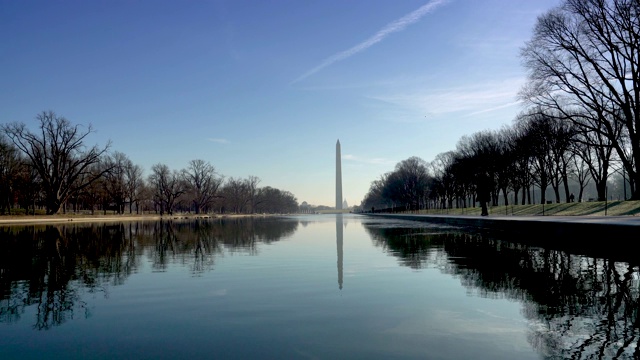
(451, 219)
(77, 218)
(480, 221)
(596, 236)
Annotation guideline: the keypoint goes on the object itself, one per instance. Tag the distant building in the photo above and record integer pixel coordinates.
(305, 208)
(344, 204)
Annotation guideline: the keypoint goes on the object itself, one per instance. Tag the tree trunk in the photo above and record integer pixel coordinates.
(52, 206)
(483, 205)
(580, 193)
(543, 193)
(635, 179)
(565, 182)
(556, 192)
(601, 188)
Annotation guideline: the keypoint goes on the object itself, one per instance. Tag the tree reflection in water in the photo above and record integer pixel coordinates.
(42, 265)
(578, 307)
(51, 268)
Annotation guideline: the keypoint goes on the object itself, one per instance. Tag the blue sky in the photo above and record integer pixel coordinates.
(266, 88)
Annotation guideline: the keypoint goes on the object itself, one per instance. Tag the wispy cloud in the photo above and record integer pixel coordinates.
(468, 100)
(495, 108)
(219, 140)
(391, 28)
(372, 161)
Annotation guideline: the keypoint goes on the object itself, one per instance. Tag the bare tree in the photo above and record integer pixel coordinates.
(115, 179)
(481, 153)
(254, 192)
(202, 183)
(537, 130)
(10, 166)
(412, 179)
(134, 184)
(583, 57)
(167, 187)
(95, 194)
(521, 160)
(277, 201)
(374, 197)
(444, 185)
(505, 164)
(236, 194)
(560, 139)
(406, 187)
(581, 166)
(596, 151)
(58, 154)
(28, 186)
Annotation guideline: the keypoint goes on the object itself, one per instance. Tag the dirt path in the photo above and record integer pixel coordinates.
(50, 219)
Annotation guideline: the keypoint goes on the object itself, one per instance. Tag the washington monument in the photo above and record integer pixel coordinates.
(338, 177)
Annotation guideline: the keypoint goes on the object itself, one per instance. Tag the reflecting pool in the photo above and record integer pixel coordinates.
(318, 286)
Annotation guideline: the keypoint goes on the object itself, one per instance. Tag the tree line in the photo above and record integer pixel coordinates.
(53, 169)
(582, 121)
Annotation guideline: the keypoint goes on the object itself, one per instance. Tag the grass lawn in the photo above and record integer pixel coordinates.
(597, 208)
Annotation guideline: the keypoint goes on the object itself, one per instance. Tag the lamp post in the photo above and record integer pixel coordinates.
(606, 197)
(624, 183)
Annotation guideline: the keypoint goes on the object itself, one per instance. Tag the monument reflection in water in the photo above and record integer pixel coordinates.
(116, 290)
(339, 245)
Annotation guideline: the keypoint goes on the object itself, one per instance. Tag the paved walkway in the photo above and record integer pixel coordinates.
(603, 220)
(49, 219)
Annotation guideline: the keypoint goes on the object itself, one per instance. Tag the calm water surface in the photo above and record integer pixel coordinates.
(319, 287)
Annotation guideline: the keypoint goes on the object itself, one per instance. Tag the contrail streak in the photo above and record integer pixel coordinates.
(391, 28)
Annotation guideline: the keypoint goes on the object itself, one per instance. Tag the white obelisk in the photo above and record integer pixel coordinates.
(338, 177)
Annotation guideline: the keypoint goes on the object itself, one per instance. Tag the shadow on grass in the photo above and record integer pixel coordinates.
(631, 212)
(589, 209)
